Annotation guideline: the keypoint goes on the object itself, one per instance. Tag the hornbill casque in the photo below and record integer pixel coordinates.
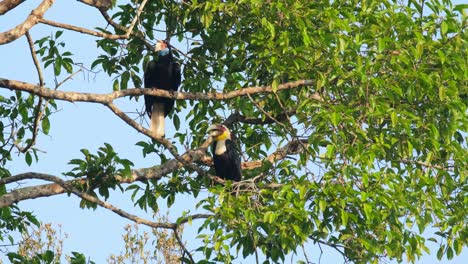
(163, 73)
(226, 157)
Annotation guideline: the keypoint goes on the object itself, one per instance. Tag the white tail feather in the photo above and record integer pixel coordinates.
(157, 120)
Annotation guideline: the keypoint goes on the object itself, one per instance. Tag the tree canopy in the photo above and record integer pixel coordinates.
(351, 117)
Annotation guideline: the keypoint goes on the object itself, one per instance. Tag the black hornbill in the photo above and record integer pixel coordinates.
(226, 157)
(162, 74)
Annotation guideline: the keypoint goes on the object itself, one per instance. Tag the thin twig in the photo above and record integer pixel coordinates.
(266, 113)
(163, 141)
(68, 78)
(35, 60)
(37, 111)
(181, 244)
(135, 19)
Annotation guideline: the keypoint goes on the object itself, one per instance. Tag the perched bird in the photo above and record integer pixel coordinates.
(226, 157)
(163, 73)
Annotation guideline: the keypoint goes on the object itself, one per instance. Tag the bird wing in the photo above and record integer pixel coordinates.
(149, 83)
(234, 156)
(176, 74)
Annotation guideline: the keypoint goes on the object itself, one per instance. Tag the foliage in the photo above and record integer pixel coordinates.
(100, 170)
(385, 123)
(145, 247)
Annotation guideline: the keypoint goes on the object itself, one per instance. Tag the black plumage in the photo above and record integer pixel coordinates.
(163, 73)
(228, 164)
(226, 157)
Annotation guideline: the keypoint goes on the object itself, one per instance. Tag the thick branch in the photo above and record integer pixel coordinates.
(7, 5)
(67, 185)
(104, 4)
(31, 20)
(81, 30)
(107, 98)
(156, 172)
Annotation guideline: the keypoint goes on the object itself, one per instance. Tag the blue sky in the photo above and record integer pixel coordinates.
(97, 233)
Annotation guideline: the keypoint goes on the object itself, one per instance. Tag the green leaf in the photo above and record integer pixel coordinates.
(57, 66)
(68, 67)
(443, 28)
(45, 125)
(124, 80)
(176, 121)
(442, 95)
(274, 85)
(449, 253)
(440, 252)
(58, 34)
(28, 158)
(115, 86)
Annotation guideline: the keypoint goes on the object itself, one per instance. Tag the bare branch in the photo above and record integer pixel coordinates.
(37, 111)
(104, 4)
(81, 30)
(35, 60)
(107, 98)
(122, 28)
(93, 32)
(7, 5)
(31, 20)
(163, 141)
(181, 244)
(69, 187)
(156, 172)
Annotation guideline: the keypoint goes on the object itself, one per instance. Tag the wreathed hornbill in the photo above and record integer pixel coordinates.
(163, 73)
(226, 157)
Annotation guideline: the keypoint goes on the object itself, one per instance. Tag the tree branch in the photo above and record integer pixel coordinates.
(37, 111)
(81, 30)
(107, 98)
(156, 172)
(163, 141)
(135, 19)
(237, 117)
(104, 4)
(67, 185)
(31, 20)
(7, 5)
(181, 244)
(97, 33)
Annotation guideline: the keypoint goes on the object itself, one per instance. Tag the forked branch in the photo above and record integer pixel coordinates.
(31, 20)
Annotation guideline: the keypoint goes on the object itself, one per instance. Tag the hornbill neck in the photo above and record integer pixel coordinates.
(220, 147)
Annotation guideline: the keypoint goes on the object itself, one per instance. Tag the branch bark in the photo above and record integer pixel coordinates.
(7, 5)
(68, 186)
(107, 98)
(31, 20)
(101, 4)
(156, 172)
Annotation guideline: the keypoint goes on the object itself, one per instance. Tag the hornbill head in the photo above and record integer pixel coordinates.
(161, 45)
(219, 132)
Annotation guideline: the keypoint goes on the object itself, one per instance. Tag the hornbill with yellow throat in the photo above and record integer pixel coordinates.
(226, 157)
(163, 73)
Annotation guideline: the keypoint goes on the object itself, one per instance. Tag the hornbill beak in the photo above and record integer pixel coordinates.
(215, 130)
